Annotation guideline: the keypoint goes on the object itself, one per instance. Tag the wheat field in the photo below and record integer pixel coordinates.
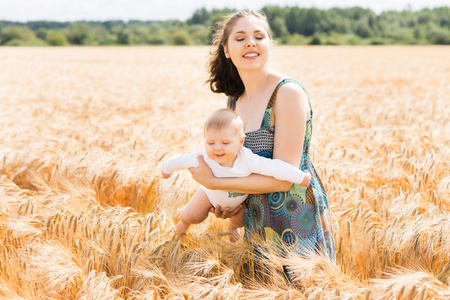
(84, 213)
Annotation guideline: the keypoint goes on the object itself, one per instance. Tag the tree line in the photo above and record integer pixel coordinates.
(289, 25)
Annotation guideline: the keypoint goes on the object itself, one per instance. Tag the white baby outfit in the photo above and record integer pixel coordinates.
(245, 164)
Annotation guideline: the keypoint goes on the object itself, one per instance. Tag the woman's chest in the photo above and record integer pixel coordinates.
(260, 141)
(252, 115)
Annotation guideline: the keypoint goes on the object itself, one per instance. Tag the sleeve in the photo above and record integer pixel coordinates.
(183, 161)
(276, 168)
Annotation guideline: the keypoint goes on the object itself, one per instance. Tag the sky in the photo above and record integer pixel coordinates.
(101, 10)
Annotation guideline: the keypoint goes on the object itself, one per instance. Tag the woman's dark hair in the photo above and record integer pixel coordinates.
(223, 75)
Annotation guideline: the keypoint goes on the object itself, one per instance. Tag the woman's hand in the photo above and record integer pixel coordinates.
(226, 213)
(203, 174)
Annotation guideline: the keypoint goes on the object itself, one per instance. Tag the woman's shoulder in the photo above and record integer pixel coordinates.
(286, 83)
(292, 98)
(289, 88)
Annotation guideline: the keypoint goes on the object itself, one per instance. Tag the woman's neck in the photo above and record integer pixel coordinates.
(255, 81)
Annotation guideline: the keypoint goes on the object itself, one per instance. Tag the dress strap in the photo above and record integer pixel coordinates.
(280, 84)
(231, 103)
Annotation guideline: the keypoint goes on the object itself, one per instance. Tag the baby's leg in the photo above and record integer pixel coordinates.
(234, 223)
(196, 211)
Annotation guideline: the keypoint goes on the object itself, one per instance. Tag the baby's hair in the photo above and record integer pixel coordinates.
(223, 118)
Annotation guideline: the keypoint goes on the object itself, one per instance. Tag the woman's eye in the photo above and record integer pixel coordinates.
(239, 39)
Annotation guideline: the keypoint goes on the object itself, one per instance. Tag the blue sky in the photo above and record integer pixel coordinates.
(99, 10)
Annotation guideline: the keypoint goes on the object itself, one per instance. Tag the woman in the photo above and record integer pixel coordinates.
(278, 123)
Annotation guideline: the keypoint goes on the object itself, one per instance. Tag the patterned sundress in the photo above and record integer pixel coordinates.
(298, 218)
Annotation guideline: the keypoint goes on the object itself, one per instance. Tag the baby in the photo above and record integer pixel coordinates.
(226, 155)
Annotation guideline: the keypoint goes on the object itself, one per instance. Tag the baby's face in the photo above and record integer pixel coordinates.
(222, 145)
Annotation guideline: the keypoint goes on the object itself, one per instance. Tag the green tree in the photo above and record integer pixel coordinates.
(294, 19)
(56, 39)
(200, 34)
(200, 16)
(218, 15)
(273, 12)
(357, 13)
(426, 16)
(180, 37)
(80, 34)
(342, 26)
(439, 36)
(420, 34)
(276, 17)
(42, 34)
(401, 35)
(20, 33)
(121, 34)
(103, 36)
(304, 21)
(312, 22)
(334, 21)
(160, 37)
(363, 30)
(278, 26)
(109, 25)
(289, 25)
(315, 40)
(138, 34)
(295, 39)
(443, 16)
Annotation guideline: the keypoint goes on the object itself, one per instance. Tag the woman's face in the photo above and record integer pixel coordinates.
(249, 44)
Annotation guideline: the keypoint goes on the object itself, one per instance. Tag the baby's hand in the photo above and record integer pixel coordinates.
(165, 175)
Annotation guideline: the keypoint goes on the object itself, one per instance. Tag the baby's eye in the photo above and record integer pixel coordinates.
(225, 143)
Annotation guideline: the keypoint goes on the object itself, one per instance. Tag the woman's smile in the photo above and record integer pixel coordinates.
(251, 55)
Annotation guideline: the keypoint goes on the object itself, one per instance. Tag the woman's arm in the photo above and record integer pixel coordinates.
(252, 184)
(290, 113)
